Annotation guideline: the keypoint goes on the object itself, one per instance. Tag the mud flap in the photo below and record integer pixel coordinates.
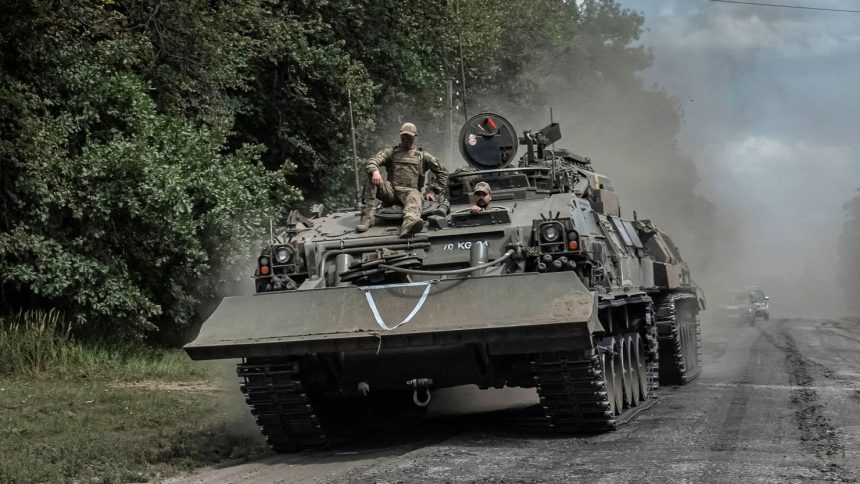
(476, 309)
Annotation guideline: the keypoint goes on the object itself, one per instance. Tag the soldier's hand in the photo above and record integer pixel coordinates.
(475, 209)
(376, 178)
(430, 196)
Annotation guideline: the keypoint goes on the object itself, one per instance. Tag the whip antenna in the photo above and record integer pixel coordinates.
(354, 153)
(463, 77)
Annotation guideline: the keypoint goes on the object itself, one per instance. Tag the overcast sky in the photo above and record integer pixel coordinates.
(771, 101)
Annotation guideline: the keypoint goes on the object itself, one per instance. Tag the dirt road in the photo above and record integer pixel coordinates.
(778, 402)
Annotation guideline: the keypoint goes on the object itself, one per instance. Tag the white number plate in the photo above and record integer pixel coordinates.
(465, 245)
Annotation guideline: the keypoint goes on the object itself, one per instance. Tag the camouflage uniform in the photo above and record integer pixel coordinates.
(403, 169)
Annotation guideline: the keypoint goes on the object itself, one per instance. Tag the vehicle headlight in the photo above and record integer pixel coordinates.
(283, 254)
(551, 233)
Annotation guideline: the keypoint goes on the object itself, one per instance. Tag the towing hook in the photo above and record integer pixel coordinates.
(421, 395)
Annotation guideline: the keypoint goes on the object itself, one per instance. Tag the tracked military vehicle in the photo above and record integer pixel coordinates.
(549, 287)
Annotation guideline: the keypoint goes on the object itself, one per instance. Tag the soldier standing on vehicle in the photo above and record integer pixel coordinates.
(405, 166)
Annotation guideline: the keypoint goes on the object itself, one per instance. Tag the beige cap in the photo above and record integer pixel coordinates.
(409, 128)
(482, 187)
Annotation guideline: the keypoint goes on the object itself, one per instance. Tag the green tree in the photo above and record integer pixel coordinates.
(114, 210)
(384, 52)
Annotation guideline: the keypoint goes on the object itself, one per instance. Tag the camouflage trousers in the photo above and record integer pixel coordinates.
(410, 198)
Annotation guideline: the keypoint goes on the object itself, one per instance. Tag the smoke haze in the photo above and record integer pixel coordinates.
(751, 178)
(770, 122)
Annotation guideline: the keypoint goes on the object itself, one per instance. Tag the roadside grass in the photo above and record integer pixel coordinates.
(72, 412)
(41, 344)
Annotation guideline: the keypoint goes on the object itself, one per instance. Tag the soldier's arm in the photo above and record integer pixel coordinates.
(378, 160)
(440, 181)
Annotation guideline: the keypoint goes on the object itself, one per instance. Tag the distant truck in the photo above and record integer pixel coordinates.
(744, 306)
(759, 301)
(737, 306)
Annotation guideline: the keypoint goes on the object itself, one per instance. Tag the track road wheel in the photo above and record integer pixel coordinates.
(610, 367)
(689, 346)
(625, 372)
(688, 320)
(619, 378)
(633, 363)
(643, 369)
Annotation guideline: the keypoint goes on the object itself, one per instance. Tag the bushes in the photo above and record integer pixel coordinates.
(119, 209)
(127, 234)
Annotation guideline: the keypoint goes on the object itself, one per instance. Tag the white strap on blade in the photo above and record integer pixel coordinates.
(375, 310)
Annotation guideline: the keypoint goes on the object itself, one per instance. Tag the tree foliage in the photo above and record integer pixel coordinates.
(144, 141)
(119, 204)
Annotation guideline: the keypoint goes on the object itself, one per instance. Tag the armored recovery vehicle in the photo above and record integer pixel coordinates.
(548, 288)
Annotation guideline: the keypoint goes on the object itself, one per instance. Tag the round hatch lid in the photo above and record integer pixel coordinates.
(488, 141)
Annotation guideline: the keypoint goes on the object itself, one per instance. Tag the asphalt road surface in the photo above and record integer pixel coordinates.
(777, 402)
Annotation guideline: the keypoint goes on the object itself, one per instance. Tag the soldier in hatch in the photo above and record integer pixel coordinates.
(483, 197)
(404, 166)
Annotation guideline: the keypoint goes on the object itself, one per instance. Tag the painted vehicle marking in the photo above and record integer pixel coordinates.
(464, 245)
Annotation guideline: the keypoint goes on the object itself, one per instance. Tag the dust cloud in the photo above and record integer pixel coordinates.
(722, 143)
(770, 120)
(630, 132)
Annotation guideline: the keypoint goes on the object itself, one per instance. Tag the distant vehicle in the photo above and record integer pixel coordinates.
(760, 302)
(738, 306)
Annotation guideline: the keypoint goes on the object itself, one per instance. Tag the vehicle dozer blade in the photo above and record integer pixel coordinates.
(493, 309)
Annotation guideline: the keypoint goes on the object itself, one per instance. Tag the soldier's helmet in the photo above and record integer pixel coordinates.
(409, 128)
(482, 187)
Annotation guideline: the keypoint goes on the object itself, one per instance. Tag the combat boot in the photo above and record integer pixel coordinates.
(411, 226)
(366, 220)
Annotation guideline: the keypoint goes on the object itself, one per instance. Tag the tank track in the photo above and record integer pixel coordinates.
(573, 394)
(280, 404)
(680, 342)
